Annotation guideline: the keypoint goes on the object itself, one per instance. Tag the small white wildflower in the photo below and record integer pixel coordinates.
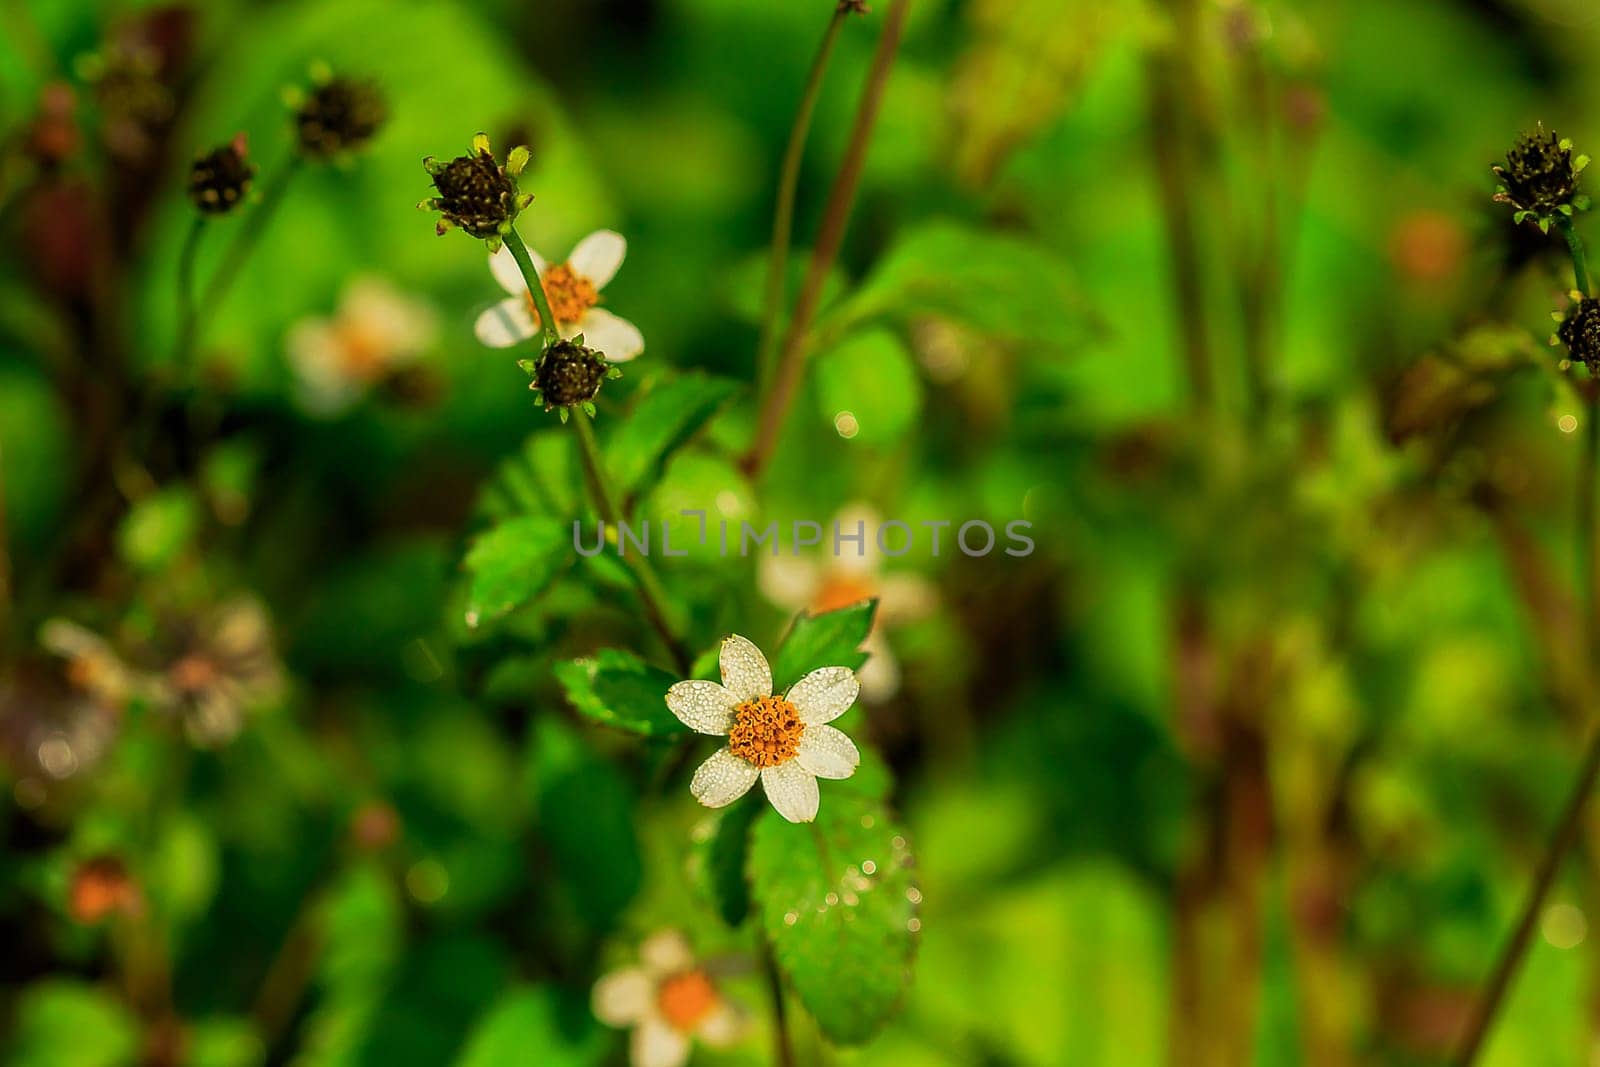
(831, 582)
(376, 332)
(669, 1001)
(785, 741)
(573, 289)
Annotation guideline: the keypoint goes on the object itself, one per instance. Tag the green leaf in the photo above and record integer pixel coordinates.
(63, 1023)
(839, 906)
(745, 291)
(585, 819)
(661, 423)
(832, 639)
(540, 479)
(223, 1042)
(158, 528)
(621, 690)
(523, 1026)
(513, 563)
(998, 284)
(723, 854)
(871, 377)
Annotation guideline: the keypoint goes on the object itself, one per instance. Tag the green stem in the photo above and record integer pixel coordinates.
(1580, 264)
(1571, 822)
(650, 589)
(249, 233)
(186, 306)
(530, 274)
(788, 187)
(779, 398)
(782, 1043)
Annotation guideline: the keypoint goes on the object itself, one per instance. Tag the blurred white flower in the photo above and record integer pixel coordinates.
(573, 289)
(669, 1001)
(785, 741)
(810, 583)
(377, 332)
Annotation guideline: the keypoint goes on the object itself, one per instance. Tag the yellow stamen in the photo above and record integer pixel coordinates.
(766, 731)
(570, 294)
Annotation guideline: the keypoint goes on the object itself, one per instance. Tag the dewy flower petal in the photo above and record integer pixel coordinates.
(624, 997)
(598, 256)
(724, 778)
(505, 324)
(745, 672)
(613, 336)
(792, 790)
(704, 707)
(827, 753)
(824, 694)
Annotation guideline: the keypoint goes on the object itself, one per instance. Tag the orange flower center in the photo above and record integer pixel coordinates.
(570, 294)
(363, 355)
(766, 731)
(193, 673)
(685, 999)
(840, 590)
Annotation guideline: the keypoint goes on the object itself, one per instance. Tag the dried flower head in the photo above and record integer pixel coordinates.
(477, 193)
(219, 179)
(1579, 330)
(338, 116)
(1540, 178)
(567, 375)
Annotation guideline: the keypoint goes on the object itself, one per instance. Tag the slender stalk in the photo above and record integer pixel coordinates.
(1567, 829)
(650, 590)
(788, 186)
(5, 561)
(1505, 969)
(186, 306)
(779, 398)
(782, 1043)
(249, 232)
(1580, 263)
(530, 274)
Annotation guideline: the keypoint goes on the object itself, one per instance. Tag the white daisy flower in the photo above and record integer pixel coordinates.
(573, 289)
(820, 584)
(785, 741)
(669, 1001)
(376, 332)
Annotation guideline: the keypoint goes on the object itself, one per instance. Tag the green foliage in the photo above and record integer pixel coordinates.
(70, 1024)
(870, 375)
(722, 858)
(513, 563)
(621, 690)
(661, 422)
(523, 1026)
(159, 528)
(839, 905)
(831, 639)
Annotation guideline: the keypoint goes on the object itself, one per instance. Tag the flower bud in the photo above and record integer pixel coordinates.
(1540, 178)
(477, 193)
(569, 375)
(219, 180)
(338, 116)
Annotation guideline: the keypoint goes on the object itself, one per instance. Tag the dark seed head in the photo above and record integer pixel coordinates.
(340, 115)
(476, 194)
(1540, 175)
(219, 180)
(1580, 332)
(568, 374)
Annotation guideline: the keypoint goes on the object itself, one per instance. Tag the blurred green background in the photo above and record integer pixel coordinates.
(1249, 762)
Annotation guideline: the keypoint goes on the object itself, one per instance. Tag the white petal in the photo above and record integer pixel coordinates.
(905, 597)
(792, 790)
(827, 753)
(723, 1026)
(598, 256)
(613, 335)
(722, 779)
(880, 675)
(857, 558)
(704, 707)
(666, 952)
(788, 581)
(824, 694)
(504, 267)
(744, 669)
(623, 997)
(656, 1044)
(507, 323)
